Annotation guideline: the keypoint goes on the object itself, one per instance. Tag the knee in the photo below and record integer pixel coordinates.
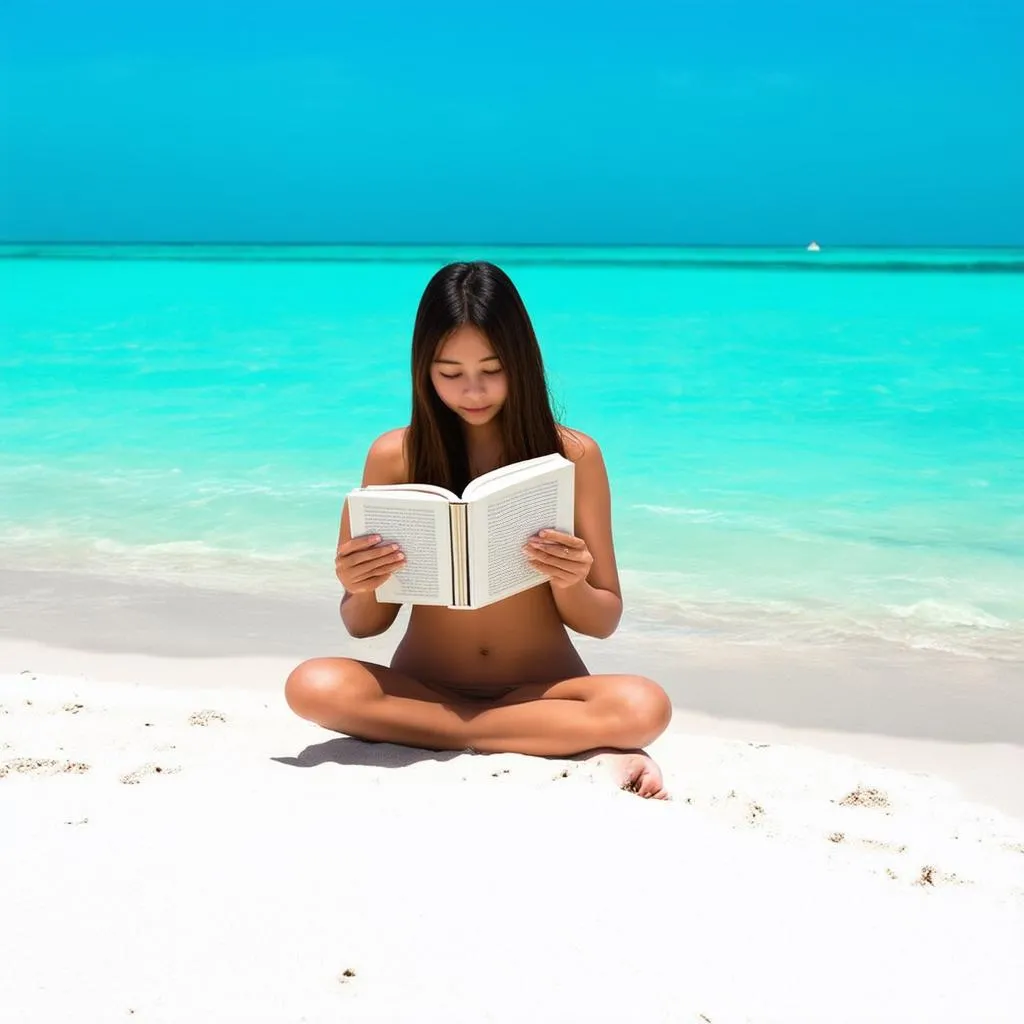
(642, 710)
(319, 688)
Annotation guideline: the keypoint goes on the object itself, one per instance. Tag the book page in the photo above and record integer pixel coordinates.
(500, 524)
(441, 492)
(498, 479)
(421, 526)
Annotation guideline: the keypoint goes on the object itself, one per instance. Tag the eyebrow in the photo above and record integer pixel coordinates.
(455, 362)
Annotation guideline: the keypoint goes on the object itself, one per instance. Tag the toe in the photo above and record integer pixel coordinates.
(650, 785)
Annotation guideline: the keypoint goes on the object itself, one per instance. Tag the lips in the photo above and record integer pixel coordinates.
(484, 408)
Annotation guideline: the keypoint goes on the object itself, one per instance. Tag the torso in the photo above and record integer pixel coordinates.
(519, 640)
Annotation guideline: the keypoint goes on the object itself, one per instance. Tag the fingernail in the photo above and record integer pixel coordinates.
(400, 556)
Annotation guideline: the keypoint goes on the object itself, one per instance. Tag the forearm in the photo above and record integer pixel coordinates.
(587, 609)
(363, 615)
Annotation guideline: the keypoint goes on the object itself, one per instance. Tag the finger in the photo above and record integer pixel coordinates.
(559, 550)
(556, 572)
(370, 583)
(354, 573)
(384, 565)
(356, 547)
(569, 563)
(367, 540)
(557, 537)
(368, 554)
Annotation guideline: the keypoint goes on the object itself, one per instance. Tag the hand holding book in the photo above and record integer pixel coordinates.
(565, 559)
(363, 564)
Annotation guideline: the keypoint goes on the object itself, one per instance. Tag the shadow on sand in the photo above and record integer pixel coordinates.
(346, 750)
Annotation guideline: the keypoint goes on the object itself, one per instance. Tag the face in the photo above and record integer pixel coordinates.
(469, 377)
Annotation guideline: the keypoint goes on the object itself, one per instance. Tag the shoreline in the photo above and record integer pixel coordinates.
(958, 719)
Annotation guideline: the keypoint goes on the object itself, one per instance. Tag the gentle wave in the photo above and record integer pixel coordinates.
(296, 568)
(703, 515)
(941, 613)
(196, 491)
(852, 534)
(662, 605)
(654, 605)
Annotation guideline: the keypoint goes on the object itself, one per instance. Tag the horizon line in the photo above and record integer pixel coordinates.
(530, 245)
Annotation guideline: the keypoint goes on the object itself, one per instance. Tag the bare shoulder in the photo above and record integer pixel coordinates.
(580, 447)
(386, 461)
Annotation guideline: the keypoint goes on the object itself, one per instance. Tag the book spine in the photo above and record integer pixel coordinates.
(463, 515)
(460, 556)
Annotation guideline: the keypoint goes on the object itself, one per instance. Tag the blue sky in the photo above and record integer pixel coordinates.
(706, 122)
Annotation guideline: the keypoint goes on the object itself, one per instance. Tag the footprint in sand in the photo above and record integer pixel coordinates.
(871, 844)
(931, 875)
(205, 717)
(862, 797)
(135, 777)
(42, 766)
(881, 844)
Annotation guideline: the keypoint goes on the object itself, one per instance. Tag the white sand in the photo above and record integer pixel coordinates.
(188, 853)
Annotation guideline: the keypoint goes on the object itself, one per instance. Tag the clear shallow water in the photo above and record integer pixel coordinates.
(803, 447)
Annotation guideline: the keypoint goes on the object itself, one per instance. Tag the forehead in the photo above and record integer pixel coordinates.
(466, 344)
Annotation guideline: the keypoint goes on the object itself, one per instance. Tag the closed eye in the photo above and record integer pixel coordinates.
(456, 376)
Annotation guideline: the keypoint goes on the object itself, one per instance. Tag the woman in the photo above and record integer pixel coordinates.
(505, 677)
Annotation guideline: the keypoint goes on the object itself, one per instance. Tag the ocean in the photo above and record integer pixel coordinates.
(804, 448)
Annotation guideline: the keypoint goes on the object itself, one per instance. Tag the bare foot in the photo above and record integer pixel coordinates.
(633, 770)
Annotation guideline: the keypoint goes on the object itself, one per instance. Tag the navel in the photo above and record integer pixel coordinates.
(484, 651)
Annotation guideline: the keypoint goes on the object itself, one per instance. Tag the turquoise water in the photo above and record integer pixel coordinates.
(803, 447)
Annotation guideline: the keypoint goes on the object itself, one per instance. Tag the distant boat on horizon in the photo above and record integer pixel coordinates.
(814, 247)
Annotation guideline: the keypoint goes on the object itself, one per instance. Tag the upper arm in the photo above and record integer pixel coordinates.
(593, 509)
(385, 464)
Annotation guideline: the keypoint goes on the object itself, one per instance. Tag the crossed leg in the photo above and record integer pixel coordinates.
(614, 715)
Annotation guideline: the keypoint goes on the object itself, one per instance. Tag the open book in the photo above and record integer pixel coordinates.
(466, 552)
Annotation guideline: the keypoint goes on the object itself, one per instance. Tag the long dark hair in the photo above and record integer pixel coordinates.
(483, 295)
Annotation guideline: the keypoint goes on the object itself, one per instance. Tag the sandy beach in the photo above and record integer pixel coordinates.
(845, 840)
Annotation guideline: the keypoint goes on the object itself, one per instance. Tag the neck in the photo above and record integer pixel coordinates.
(483, 447)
